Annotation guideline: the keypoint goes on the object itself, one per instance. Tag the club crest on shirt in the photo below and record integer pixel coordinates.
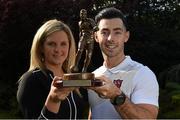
(118, 82)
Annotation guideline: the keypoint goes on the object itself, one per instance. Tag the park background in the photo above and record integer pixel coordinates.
(154, 41)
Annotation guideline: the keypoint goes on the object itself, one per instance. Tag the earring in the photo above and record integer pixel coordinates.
(42, 59)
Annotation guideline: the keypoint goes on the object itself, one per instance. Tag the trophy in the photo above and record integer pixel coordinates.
(82, 78)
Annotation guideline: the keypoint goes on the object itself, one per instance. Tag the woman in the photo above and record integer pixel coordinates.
(52, 54)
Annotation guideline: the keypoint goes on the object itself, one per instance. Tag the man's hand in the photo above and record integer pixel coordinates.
(108, 90)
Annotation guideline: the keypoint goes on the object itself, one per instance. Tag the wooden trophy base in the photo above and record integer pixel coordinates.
(79, 80)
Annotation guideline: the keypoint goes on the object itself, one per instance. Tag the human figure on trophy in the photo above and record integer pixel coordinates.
(87, 27)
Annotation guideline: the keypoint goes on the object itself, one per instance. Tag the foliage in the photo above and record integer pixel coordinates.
(170, 103)
(154, 41)
(170, 92)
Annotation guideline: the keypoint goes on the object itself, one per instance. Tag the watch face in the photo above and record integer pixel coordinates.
(120, 100)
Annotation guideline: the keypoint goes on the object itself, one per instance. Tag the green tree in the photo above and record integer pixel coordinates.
(154, 40)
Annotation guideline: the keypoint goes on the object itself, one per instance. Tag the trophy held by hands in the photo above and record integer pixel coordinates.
(87, 28)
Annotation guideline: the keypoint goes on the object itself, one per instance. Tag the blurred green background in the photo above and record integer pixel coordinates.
(154, 41)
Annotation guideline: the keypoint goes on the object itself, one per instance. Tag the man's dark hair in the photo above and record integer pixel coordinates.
(109, 13)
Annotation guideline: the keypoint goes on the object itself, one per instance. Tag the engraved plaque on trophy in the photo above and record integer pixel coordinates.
(81, 78)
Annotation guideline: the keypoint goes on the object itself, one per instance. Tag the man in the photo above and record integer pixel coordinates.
(130, 89)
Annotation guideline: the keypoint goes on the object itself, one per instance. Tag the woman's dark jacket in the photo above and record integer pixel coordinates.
(33, 89)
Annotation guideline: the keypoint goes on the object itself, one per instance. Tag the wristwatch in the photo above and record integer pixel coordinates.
(119, 100)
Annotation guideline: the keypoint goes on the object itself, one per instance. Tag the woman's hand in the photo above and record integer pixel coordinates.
(56, 95)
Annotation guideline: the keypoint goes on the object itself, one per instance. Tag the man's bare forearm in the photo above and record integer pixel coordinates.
(135, 111)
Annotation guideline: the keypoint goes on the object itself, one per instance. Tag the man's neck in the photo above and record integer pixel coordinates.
(111, 62)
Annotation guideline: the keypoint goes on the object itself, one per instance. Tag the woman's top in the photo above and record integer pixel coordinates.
(33, 89)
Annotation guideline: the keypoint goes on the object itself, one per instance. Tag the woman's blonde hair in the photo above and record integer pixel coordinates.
(51, 26)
